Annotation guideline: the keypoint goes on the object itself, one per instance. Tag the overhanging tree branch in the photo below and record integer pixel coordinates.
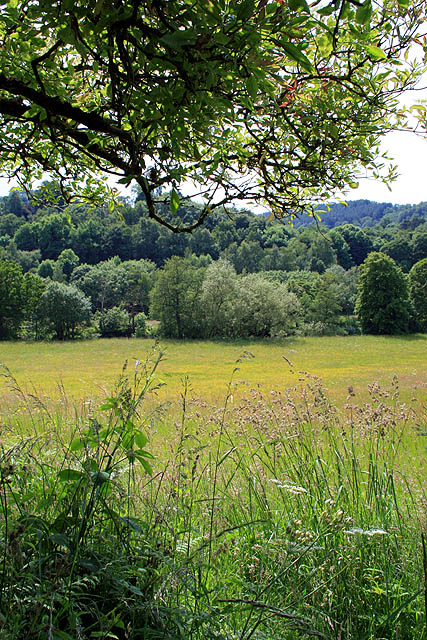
(268, 103)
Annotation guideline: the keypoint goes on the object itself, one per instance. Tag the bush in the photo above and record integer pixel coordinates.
(64, 309)
(115, 323)
(141, 327)
(418, 291)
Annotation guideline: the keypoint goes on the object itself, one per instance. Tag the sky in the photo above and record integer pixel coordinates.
(409, 152)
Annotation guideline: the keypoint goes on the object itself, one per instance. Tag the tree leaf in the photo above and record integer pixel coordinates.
(174, 201)
(141, 440)
(144, 453)
(327, 11)
(296, 54)
(295, 5)
(245, 10)
(326, 44)
(364, 12)
(375, 52)
(178, 39)
(252, 87)
(144, 463)
(77, 444)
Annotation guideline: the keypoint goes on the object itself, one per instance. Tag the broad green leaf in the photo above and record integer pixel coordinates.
(144, 453)
(174, 201)
(77, 444)
(325, 44)
(364, 12)
(178, 39)
(109, 404)
(375, 52)
(403, 4)
(127, 441)
(252, 87)
(246, 9)
(70, 474)
(141, 440)
(296, 54)
(131, 587)
(327, 11)
(353, 185)
(298, 4)
(61, 540)
(131, 524)
(144, 463)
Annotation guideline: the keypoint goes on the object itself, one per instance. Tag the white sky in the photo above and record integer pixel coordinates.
(409, 152)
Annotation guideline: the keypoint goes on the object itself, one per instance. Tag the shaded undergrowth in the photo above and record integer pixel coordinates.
(278, 517)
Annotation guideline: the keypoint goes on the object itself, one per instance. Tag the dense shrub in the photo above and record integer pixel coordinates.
(115, 323)
(64, 308)
(141, 327)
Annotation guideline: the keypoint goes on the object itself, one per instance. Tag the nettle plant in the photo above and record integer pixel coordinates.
(77, 561)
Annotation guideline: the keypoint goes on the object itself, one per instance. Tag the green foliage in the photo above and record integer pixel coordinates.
(115, 322)
(103, 284)
(12, 299)
(46, 269)
(64, 308)
(219, 291)
(126, 89)
(263, 309)
(34, 287)
(297, 257)
(400, 250)
(141, 327)
(78, 561)
(175, 299)
(67, 262)
(418, 292)
(358, 242)
(383, 304)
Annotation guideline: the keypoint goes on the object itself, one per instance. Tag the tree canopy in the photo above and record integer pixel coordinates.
(383, 304)
(269, 101)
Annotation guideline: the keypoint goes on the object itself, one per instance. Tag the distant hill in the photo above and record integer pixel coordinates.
(367, 213)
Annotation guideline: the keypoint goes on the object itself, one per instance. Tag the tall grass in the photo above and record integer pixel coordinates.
(278, 516)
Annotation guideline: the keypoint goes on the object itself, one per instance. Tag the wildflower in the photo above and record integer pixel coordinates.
(368, 532)
(289, 486)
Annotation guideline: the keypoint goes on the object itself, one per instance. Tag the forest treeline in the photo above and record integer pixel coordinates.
(94, 271)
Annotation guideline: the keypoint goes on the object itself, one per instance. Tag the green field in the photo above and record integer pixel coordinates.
(283, 516)
(89, 368)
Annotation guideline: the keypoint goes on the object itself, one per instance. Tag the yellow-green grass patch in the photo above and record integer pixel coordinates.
(89, 368)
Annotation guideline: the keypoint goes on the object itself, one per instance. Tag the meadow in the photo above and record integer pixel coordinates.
(284, 506)
(88, 368)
